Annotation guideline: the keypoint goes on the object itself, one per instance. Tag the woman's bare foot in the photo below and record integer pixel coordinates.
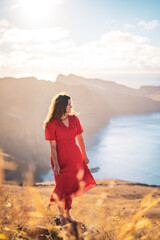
(63, 220)
(70, 219)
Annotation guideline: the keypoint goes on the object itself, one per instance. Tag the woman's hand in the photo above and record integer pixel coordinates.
(86, 160)
(82, 147)
(57, 169)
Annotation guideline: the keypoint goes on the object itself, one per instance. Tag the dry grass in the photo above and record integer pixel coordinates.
(104, 210)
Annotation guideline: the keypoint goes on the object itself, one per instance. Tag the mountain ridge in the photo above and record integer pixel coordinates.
(24, 105)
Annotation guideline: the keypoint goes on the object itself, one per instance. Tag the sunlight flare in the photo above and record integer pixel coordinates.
(37, 9)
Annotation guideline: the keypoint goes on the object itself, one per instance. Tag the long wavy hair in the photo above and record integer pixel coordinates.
(57, 107)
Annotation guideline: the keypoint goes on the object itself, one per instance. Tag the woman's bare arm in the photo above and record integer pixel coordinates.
(54, 157)
(82, 147)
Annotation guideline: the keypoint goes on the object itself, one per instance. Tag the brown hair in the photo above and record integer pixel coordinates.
(57, 107)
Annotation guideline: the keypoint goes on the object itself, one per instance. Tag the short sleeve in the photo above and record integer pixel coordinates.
(78, 125)
(50, 131)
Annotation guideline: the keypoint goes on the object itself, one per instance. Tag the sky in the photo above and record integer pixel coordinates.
(107, 39)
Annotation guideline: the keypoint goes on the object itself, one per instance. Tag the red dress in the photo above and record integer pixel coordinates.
(75, 178)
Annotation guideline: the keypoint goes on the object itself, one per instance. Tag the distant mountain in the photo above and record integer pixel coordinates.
(24, 105)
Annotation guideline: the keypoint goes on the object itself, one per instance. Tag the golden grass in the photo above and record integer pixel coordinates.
(102, 213)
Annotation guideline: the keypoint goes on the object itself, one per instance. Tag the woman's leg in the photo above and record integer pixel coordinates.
(64, 214)
(62, 217)
(68, 203)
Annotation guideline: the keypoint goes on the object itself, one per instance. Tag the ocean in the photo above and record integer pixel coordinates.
(128, 148)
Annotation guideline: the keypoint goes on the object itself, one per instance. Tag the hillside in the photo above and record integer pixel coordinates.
(24, 104)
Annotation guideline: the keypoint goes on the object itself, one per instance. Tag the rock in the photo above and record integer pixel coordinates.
(74, 231)
(41, 233)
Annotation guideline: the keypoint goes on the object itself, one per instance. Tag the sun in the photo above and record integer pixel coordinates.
(36, 10)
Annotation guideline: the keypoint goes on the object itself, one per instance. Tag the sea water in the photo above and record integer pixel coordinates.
(127, 148)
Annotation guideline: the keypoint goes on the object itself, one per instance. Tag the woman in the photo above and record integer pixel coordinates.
(69, 163)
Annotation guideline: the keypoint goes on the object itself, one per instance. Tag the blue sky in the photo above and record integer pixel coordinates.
(92, 38)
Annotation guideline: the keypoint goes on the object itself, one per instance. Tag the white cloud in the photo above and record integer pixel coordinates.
(15, 35)
(47, 52)
(120, 37)
(14, 6)
(149, 25)
(4, 24)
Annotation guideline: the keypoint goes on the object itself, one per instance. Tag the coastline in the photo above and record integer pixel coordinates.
(103, 182)
(96, 100)
(91, 136)
(112, 152)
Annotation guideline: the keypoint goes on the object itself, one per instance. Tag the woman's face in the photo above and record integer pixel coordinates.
(69, 106)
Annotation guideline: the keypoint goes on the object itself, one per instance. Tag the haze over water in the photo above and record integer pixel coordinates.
(128, 148)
